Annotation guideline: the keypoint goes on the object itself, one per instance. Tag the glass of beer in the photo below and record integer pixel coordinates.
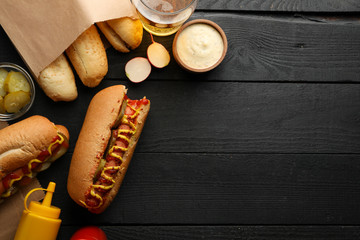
(164, 17)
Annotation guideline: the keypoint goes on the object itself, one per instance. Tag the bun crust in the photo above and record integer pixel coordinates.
(93, 139)
(57, 80)
(88, 56)
(62, 129)
(24, 142)
(128, 29)
(112, 37)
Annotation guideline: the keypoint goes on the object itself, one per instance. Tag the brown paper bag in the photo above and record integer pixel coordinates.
(11, 209)
(42, 30)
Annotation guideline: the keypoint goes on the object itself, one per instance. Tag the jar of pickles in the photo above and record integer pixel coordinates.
(17, 91)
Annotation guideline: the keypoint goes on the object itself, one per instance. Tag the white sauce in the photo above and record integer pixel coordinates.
(199, 46)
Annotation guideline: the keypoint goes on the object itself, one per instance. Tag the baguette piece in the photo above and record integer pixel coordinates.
(57, 80)
(112, 37)
(25, 140)
(88, 56)
(124, 34)
(92, 144)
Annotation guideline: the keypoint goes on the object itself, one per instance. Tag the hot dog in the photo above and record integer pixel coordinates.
(104, 148)
(26, 148)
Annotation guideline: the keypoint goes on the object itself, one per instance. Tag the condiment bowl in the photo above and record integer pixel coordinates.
(201, 42)
(14, 67)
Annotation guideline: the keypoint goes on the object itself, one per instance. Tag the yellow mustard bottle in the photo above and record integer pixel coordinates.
(41, 220)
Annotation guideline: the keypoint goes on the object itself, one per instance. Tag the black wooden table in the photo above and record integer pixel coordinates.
(266, 146)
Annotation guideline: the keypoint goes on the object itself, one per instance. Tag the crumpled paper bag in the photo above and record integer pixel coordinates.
(42, 30)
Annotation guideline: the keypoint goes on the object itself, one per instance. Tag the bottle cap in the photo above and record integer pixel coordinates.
(45, 208)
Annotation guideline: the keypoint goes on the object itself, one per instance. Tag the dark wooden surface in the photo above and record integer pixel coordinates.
(266, 146)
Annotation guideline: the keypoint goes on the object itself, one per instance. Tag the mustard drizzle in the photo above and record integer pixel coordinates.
(132, 131)
(12, 181)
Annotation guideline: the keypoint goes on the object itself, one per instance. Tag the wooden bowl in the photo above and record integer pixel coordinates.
(192, 68)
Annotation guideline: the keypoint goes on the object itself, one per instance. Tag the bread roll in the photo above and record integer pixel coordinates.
(112, 37)
(88, 56)
(123, 33)
(57, 80)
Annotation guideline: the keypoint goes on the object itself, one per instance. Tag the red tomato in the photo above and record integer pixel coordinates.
(89, 233)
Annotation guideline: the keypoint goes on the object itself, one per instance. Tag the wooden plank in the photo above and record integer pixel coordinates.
(261, 48)
(281, 6)
(270, 48)
(240, 189)
(223, 232)
(235, 117)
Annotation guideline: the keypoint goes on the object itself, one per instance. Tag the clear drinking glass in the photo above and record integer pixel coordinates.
(164, 17)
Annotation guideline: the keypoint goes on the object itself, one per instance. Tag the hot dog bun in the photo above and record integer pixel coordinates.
(92, 143)
(112, 37)
(58, 81)
(123, 33)
(24, 140)
(62, 129)
(88, 56)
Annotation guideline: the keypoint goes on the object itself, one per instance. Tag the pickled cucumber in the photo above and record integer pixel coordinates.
(3, 74)
(99, 169)
(14, 101)
(16, 81)
(2, 108)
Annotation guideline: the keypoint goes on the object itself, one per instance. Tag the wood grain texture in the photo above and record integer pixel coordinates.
(266, 146)
(275, 47)
(234, 117)
(222, 189)
(296, 48)
(281, 5)
(224, 166)
(224, 232)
